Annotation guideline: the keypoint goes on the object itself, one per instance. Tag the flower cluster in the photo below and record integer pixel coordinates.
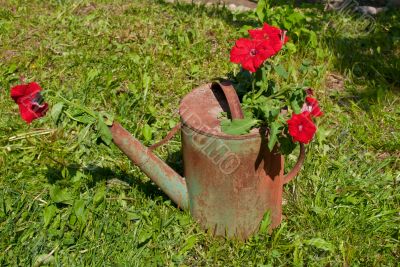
(262, 44)
(30, 101)
(288, 113)
(301, 126)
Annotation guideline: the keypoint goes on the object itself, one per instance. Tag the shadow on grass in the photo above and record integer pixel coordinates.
(373, 57)
(65, 176)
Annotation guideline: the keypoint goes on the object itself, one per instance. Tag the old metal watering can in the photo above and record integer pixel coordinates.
(230, 181)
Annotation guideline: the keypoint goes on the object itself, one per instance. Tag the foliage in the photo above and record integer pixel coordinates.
(67, 113)
(238, 127)
(284, 16)
(270, 105)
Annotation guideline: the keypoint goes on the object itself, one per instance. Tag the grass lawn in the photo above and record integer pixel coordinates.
(66, 202)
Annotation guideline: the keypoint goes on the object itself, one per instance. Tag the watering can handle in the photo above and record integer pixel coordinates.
(288, 177)
(166, 138)
(232, 99)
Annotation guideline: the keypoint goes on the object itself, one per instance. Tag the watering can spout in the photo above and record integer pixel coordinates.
(173, 185)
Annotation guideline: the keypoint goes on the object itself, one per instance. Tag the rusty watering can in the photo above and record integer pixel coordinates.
(230, 181)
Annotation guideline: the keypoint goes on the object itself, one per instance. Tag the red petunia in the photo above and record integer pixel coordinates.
(30, 101)
(275, 36)
(301, 127)
(251, 53)
(311, 105)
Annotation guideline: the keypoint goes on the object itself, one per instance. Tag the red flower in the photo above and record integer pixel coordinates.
(276, 37)
(29, 100)
(251, 53)
(311, 106)
(301, 127)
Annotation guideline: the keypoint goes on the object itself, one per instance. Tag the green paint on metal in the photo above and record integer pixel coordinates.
(173, 185)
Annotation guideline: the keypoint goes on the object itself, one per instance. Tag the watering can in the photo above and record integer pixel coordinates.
(231, 181)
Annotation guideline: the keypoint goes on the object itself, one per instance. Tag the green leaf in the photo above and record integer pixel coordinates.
(281, 71)
(104, 132)
(13, 67)
(144, 236)
(68, 238)
(172, 123)
(80, 210)
(320, 244)
(132, 216)
(48, 214)
(273, 134)
(93, 73)
(297, 100)
(313, 39)
(287, 25)
(81, 116)
(265, 223)
(295, 106)
(295, 17)
(238, 127)
(85, 119)
(245, 28)
(108, 118)
(146, 84)
(147, 132)
(286, 144)
(99, 196)
(189, 244)
(56, 111)
(59, 195)
(260, 10)
(44, 259)
(84, 133)
(291, 47)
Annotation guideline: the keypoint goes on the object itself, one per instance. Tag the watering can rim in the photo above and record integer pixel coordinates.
(226, 136)
(234, 106)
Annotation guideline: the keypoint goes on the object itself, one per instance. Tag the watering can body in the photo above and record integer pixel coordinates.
(230, 181)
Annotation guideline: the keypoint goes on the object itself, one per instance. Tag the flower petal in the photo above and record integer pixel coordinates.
(24, 90)
(301, 127)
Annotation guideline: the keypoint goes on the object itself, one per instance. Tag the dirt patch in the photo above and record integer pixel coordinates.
(8, 55)
(234, 5)
(334, 82)
(85, 9)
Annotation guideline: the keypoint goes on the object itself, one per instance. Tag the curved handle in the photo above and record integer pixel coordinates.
(288, 177)
(232, 99)
(167, 137)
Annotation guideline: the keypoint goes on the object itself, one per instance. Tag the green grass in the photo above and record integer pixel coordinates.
(88, 205)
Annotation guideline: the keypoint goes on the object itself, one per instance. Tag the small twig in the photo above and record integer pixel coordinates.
(86, 250)
(120, 198)
(38, 195)
(8, 148)
(31, 134)
(41, 261)
(51, 253)
(7, 249)
(41, 200)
